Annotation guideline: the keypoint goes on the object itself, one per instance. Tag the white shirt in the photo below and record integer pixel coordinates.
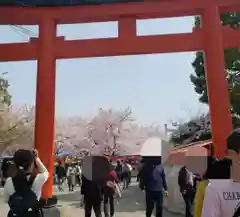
(70, 171)
(191, 178)
(129, 167)
(222, 198)
(78, 170)
(37, 185)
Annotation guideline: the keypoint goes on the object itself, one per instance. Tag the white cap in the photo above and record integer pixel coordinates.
(154, 147)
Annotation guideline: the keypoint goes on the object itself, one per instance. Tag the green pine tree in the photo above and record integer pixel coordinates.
(5, 97)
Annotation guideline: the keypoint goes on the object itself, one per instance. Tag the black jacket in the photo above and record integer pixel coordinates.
(182, 180)
(92, 190)
(60, 171)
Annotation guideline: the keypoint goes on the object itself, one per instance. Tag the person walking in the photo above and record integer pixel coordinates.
(129, 180)
(61, 174)
(71, 176)
(78, 174)
(125, 175)
(94, 169)
(92, 191)
(23, 191)
(186, 185)
(140, 165)
(109, 192)
(119, 171)
(153, 181)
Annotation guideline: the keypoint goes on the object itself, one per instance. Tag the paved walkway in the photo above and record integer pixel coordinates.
(130, 205)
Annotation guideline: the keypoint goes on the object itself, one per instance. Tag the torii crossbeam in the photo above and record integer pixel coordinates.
(211, 38)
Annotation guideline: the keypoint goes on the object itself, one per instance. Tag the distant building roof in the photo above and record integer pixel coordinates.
(178, 153)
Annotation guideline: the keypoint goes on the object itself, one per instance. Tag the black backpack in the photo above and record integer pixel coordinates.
(24, 203)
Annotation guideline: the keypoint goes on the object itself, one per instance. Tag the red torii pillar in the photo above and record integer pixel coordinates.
(45, 98)
(218, 95)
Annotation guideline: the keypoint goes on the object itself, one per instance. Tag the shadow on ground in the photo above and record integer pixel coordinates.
(133, 200)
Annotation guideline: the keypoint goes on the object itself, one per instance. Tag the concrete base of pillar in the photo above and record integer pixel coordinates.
(47, 203)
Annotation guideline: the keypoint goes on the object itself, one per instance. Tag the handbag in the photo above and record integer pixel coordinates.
(116, 188)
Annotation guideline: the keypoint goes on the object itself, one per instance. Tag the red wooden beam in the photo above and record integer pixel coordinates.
(96, 13)
(135, 45)
(110, 12)
(132, 46)
(18, 52)
(141, 45)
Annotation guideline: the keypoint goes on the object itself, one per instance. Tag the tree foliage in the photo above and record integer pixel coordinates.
(110, 132)
(187, 132)
(232, 59)
(16, 128)
(196, 129)
(5, 97)
(16, 123)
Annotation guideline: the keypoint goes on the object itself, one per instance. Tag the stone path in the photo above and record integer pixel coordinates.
(130, 205)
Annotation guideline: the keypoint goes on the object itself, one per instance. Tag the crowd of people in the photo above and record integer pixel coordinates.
(71, 172)
(215, 193)
(117, 179)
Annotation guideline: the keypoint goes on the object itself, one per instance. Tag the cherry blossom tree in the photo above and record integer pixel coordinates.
(116, 132)
(106, 128)
(71, 136)
(99, 134)
(110, 132)
(16, 128)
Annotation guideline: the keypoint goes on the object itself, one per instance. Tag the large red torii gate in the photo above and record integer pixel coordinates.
(212, 38)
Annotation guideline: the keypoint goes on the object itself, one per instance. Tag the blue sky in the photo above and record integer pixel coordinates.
(156, 87)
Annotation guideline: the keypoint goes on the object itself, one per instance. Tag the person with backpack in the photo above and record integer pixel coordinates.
(23, 191)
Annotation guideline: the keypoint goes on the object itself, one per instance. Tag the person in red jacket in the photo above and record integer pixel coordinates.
(109, 193)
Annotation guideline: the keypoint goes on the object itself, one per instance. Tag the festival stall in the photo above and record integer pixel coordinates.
(62, 157)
